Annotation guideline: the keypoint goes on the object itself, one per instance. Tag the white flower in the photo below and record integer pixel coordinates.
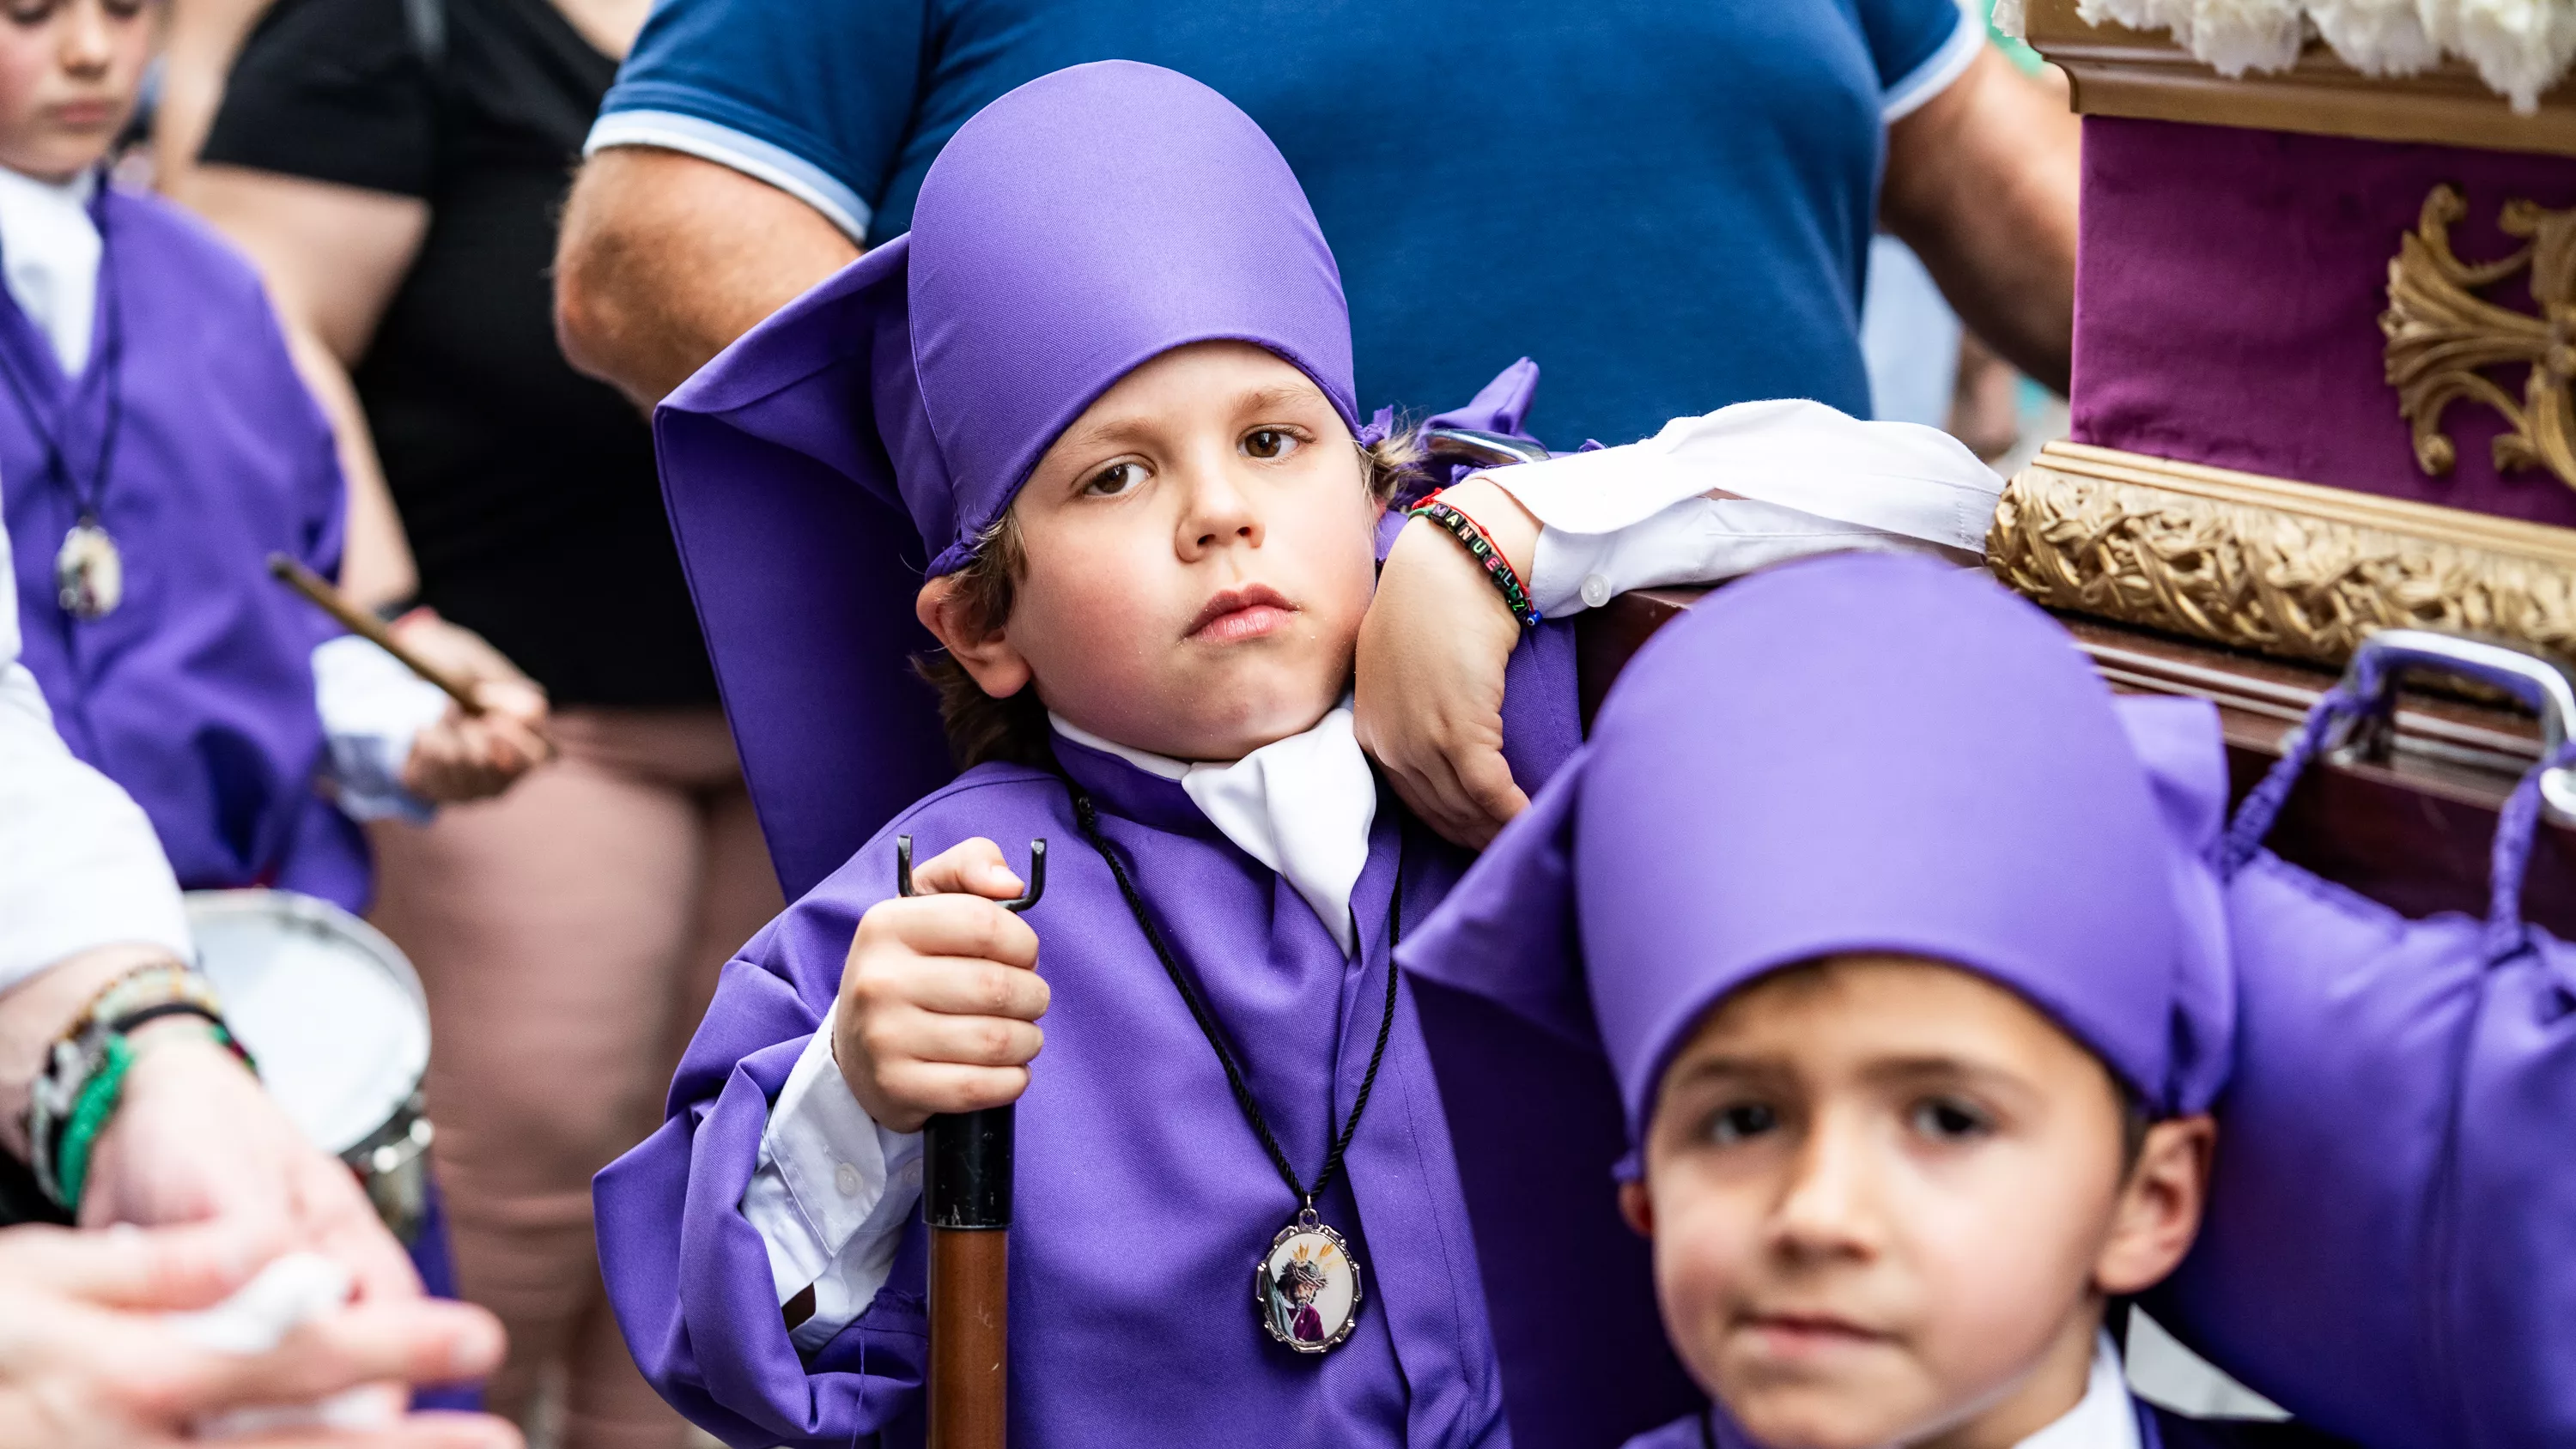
(2520, 47)
(2232, 35)
(2172, 15)
(2376, 37)
(2011, 17)
(2235, 36)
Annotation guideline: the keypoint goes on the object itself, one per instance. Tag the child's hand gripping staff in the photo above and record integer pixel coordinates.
(936, 1028)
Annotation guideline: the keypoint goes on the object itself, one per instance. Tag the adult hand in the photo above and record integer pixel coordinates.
(195, 1138)
(940, 996)
(88, 1362)
(1427, 693)
(474, 757)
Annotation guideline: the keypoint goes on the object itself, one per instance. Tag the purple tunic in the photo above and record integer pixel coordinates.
(196, 694)
(1144, 1198)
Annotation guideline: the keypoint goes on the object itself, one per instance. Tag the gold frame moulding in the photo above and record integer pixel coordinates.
(2284, 568)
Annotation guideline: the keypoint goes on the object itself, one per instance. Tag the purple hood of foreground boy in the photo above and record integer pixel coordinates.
(876, 427)
(1864, 753)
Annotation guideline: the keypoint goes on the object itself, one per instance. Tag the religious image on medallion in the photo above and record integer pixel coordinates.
(89, 574)
(1308, 1288)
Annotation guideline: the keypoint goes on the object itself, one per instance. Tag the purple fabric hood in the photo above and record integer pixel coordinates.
(868, 434)
(1863, 753)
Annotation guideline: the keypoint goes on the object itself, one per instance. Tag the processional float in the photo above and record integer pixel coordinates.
(2324, 386)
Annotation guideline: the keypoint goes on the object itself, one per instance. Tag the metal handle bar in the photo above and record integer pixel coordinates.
(1483, 449)
(2545, 686)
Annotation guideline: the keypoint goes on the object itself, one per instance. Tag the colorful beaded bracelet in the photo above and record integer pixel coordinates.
(1481, 548)
(84, 1077)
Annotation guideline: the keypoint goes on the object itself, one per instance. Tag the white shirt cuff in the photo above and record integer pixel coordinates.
(1808, 479)
(372, 709)
(831, 1194)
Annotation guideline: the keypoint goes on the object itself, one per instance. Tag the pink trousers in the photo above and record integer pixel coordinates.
(569, 935)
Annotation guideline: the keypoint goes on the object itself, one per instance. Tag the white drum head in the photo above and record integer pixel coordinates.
(331, 1009)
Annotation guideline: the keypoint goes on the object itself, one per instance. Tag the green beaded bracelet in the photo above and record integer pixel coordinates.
(98, 1100)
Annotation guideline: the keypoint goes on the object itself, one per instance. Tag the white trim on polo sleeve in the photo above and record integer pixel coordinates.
(1936, 72)
(750, 155)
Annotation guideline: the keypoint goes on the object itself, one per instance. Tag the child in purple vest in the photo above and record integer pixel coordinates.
(156, 450)
(1101, 395)
(1897, 929)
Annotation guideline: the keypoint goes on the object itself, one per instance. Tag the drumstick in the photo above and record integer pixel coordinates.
(368, 627)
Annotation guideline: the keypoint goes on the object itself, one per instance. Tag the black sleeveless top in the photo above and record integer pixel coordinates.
(528, 490)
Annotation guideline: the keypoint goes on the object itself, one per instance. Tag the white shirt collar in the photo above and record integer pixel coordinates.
(49, 258)
(2104, 1418)
(1302, 806)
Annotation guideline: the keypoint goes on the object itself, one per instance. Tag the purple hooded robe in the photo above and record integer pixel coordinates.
(1075, 228)
(196, 693)
(1812, 762)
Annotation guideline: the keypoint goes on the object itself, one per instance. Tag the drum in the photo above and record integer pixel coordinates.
(336, 1018)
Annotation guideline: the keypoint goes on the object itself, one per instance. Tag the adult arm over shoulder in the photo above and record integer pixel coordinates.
(666, 258)
(736, 162)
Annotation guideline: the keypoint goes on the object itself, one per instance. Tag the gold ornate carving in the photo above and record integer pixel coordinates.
(2442, 335)
(2285, 568)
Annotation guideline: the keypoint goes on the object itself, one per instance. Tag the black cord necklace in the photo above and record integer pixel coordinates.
(1306, 1287)
(89, 569)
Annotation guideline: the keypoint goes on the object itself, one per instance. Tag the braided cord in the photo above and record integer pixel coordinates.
(1087, 816)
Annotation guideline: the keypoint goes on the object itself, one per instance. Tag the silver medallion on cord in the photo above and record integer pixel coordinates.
(89, 573)
(1307, 1287)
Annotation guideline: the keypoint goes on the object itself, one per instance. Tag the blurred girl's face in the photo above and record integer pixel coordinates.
(70, 71)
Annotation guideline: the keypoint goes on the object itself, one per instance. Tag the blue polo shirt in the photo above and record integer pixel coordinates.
(1667, 203)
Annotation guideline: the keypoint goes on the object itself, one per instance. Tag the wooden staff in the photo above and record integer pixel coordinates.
(368, 627)
(966, 1199)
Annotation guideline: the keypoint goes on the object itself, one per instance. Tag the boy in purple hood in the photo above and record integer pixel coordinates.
(1898, 932)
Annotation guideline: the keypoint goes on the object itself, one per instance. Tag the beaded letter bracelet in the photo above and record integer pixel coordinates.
(1481, 548)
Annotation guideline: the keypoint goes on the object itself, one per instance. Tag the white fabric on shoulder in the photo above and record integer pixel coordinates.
(831, 1194)
(80, 866)
(1936, 72)
(1808, 480)
(49, 256)
(2105, 1418)
(1301, 806)
(372, 708)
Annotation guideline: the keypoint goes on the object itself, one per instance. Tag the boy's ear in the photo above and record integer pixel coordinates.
(997, 668)
(2159, 1210)
(1637, 1207)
